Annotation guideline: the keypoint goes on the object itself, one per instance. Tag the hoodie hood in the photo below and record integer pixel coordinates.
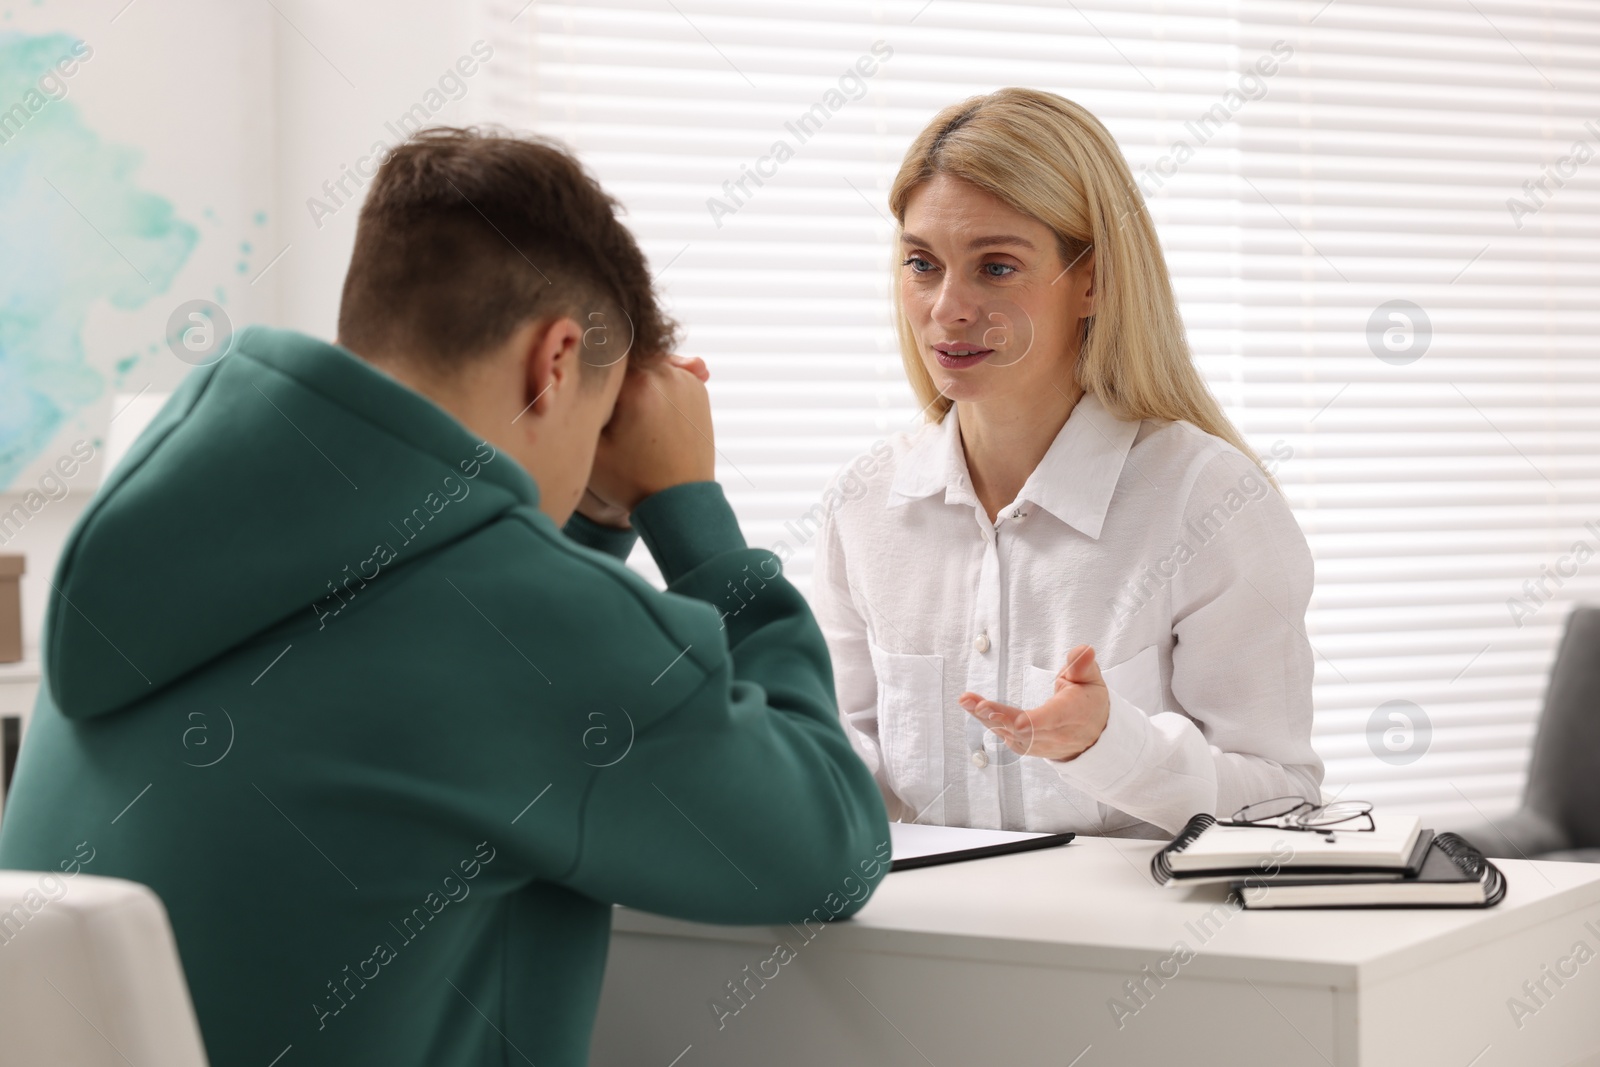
(274, 482)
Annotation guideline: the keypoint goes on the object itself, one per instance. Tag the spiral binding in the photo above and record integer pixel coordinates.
(1160, 863)
(1473, 864)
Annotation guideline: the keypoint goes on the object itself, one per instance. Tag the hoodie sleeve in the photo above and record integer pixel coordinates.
(745, 803)
(611, 540)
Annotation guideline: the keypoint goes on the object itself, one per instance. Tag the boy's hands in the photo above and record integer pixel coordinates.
(659, 436)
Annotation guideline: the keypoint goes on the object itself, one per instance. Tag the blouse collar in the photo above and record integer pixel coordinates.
(1074, 481)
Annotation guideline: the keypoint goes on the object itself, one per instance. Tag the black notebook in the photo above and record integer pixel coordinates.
(1454, 875)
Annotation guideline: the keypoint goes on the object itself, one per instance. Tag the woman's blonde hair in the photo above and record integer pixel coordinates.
(1049, 158)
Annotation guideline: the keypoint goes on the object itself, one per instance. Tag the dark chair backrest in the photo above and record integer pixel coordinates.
(1564, 772)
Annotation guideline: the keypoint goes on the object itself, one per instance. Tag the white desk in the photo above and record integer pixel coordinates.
(1014, 961)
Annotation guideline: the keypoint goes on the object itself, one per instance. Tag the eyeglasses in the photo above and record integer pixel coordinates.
(1300, 815)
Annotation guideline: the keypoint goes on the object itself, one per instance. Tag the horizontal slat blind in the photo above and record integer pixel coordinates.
(1305, 162)
(1386, 164)
(787, 294)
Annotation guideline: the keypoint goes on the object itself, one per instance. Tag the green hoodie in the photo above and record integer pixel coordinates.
(389, 744)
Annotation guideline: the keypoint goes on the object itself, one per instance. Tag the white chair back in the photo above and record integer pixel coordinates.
(90, 976)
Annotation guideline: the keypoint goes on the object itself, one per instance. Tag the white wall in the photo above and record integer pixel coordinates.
(236, 109)
(375, 62)
(184, 88)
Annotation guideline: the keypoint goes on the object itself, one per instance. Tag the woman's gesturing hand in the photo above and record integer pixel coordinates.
(1063, 726)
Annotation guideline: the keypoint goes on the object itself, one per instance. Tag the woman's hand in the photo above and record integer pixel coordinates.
(1061, 728)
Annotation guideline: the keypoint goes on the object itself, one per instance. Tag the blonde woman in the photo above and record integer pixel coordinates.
(1073, 600)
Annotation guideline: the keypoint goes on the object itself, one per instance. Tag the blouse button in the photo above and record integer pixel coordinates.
(980, 759)
(982, 643)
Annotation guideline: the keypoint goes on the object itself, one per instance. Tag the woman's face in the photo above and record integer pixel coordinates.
(995, 312)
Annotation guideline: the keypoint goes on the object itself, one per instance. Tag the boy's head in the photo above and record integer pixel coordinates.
(491, 273)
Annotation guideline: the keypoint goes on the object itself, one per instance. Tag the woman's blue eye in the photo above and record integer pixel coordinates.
(918, 264)
(1006, 268)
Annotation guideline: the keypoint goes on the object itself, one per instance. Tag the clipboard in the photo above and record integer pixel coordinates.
(916, 846)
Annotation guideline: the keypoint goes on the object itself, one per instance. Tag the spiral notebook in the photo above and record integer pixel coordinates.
(1209, 851)
(1454, 875)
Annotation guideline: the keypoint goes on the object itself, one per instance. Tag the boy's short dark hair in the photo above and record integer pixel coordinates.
(466, 235)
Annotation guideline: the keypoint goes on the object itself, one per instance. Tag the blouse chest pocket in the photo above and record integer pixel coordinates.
(911, 714)
(1136, 679)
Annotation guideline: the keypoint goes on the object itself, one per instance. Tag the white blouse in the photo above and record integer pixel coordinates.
(1160, 545)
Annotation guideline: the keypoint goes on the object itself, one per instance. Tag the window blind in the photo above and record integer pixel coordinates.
(1305, 163)
(1418, 297)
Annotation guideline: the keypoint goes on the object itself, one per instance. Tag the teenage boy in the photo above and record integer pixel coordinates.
(332, 665)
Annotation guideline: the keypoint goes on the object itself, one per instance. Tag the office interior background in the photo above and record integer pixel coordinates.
(1382, 222)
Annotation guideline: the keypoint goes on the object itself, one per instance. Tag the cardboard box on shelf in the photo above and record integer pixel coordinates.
(11, 568)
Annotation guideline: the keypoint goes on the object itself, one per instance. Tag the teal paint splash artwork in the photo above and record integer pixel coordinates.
(74, 230)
